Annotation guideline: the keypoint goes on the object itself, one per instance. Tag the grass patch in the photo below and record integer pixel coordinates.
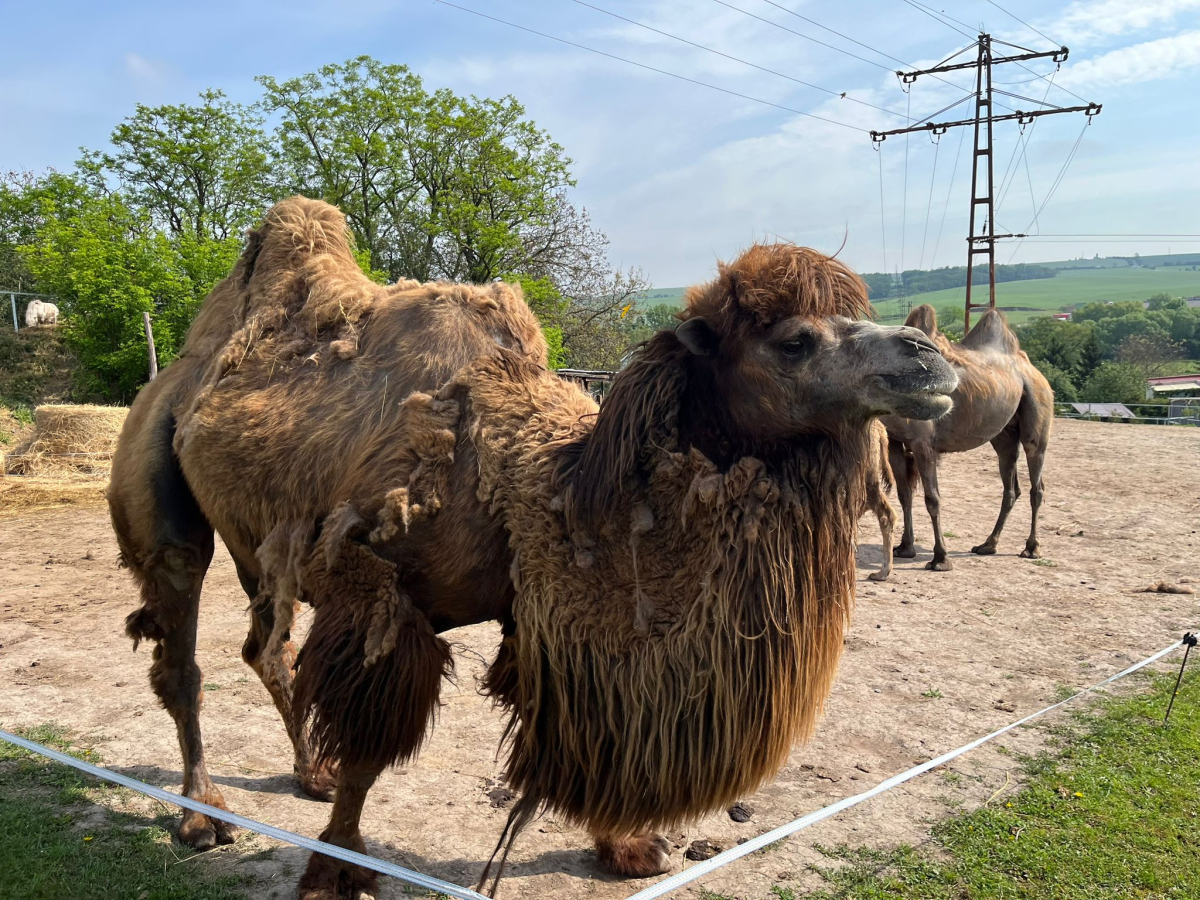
(58, 841)
(1048, 563)
(1111, 814)
(932, 694)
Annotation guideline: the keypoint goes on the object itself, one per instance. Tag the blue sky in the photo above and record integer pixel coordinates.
(676, 174)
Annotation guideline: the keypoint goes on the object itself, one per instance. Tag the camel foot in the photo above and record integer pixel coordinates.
(904, 552)
(984, 549)
(939, 565)
(1030, 553)
(329, 879)
(637, 856)
(319, 781)
(879, 576)
(200, 832)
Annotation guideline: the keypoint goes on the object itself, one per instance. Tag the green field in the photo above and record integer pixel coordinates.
(1072, 287)
(1109, 280)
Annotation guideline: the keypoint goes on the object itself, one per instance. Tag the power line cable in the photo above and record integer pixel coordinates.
(929, 203)
(962, 133)
(1023, 22)
(1053, 188)
(844, 37)
(937, 18)
(842, 94)
(802, 35)
(1023, 144)
(904, 208)
(650, 68)
(882, 209)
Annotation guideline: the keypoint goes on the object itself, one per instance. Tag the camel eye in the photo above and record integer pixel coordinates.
(796, 346)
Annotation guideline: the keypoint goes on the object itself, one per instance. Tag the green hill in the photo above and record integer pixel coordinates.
(1079, 281)
(1022, 300)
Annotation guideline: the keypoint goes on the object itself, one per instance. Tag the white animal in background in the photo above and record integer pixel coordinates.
(39, 313)
(33, 312)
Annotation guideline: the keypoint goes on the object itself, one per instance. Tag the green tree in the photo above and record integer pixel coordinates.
(432, 184)
(1114, 382)
(1070, 347)
(199, 168)
(1060, 381)
(25, 199)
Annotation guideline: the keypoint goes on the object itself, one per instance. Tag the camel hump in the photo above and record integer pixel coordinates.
(991, 331)
(923, 317)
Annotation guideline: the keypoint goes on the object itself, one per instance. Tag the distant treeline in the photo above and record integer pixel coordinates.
(920, 281)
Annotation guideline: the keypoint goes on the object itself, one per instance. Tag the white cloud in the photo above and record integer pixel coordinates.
(144, 69)
(1136, 64)
(1085, 21)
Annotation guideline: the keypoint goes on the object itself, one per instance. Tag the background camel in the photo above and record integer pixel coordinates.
(627, 553)
(1001, 397)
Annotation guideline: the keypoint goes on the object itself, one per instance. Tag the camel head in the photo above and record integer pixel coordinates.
(779, 343)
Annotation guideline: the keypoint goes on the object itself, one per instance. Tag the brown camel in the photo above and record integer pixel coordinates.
(673, 574)
(1002, 398)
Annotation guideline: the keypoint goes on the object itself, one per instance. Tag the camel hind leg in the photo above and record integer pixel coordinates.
(1035, 457)
(167, 543)
(1007, 447)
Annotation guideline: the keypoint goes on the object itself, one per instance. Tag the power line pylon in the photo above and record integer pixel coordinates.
(982, 241)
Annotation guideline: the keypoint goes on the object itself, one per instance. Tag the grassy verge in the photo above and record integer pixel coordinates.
(1112, 813)
(59, 838)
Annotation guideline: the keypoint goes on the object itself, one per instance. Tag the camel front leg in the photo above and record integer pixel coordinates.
(926, 460)
(327, 878)
(887, 521)
(905, 473)
(1007, 447)
(634, 855)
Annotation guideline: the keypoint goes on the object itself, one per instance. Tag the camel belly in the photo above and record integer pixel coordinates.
(982, 409)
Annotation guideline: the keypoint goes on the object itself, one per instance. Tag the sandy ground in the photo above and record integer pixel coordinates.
(932, 660)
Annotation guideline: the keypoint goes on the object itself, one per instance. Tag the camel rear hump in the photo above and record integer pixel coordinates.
(991, 332)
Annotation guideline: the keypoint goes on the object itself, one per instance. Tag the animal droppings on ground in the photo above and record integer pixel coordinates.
(500, 797)
(698, 851)
(739, 812)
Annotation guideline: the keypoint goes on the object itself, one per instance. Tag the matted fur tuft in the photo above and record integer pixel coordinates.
(774, 281)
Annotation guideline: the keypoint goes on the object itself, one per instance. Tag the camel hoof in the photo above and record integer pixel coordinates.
(200, 832)
(1030, 554)
(640, 856)
(905, 552)
(330, 879)
(939, 565)
(879, 576)
(984, 549)
(318, 782)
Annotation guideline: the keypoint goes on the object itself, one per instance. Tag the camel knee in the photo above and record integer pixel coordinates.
(634, 856)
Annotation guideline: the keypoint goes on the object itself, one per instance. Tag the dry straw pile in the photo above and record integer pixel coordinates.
(70, 441)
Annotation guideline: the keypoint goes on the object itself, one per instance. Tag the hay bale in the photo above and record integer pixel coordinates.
(72, 428)
(70, 440)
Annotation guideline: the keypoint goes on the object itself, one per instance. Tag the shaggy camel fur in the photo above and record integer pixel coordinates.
(1001, 398)
(672, 573)
(38, 312)
(166, 539)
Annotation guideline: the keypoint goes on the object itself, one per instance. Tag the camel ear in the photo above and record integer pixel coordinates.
(698, 336)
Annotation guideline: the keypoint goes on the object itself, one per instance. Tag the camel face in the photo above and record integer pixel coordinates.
(803, 374)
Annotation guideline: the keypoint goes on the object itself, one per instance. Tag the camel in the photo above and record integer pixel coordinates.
(673, 572)
(1001, 398)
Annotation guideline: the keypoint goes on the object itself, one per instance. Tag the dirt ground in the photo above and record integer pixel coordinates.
(932, 660)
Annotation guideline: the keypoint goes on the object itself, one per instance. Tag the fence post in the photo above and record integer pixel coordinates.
(150, 346)
(13, 299)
